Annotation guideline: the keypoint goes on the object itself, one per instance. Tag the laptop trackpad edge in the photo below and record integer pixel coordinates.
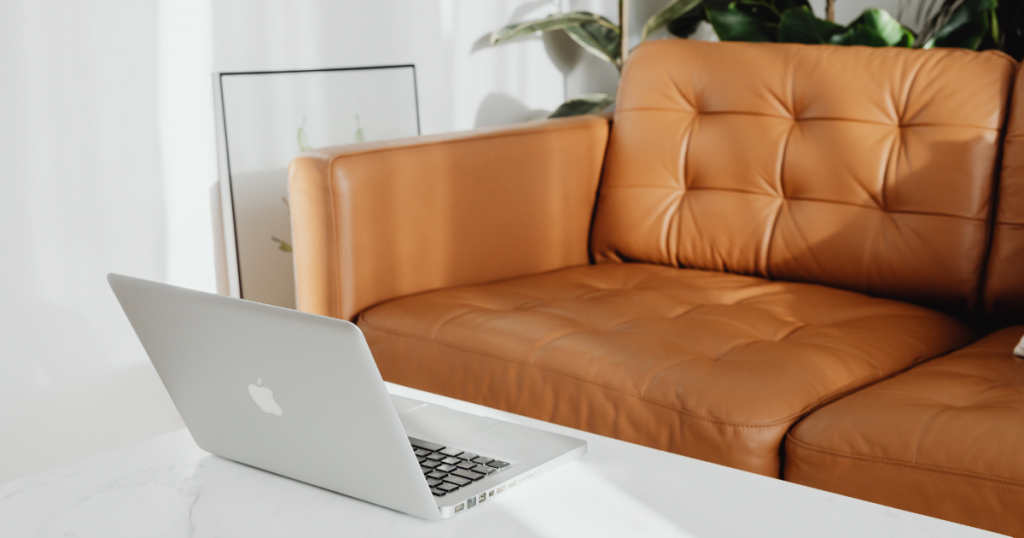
(440, 423)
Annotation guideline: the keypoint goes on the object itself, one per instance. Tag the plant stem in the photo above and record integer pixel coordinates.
(623, 30)
(830, 10)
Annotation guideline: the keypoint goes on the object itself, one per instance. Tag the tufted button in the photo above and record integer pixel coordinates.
(884, 158)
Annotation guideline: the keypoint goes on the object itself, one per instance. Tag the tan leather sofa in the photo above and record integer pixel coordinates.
(748, 265)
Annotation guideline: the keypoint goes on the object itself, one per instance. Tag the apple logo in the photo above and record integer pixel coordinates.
(264, 398)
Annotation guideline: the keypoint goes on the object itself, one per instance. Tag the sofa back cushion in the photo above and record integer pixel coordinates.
(860, 168)
(1004, 284)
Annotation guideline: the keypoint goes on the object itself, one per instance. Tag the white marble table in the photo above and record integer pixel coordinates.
(169, 487)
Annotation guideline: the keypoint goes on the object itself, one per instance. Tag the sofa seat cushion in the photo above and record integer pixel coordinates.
(945, 439)
(706, 364)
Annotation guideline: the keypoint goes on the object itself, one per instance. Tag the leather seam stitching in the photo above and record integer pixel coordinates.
(782, 201)
(676, 237)
(995, 202)
(335, 307)
(419, 143)
(785, 420)
(796, 119)
(892, 164)
(803, 199)
(920, 434)
(906, 94)
(913, 466)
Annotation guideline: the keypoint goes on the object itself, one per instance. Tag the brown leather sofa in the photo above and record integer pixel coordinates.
(748, 265)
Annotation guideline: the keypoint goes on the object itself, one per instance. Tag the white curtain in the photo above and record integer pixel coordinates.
(82, 191)
(106, 159)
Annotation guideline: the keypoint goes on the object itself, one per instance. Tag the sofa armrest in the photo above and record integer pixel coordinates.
(373, 222)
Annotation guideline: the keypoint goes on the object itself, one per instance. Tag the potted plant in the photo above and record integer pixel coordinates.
(973, 24)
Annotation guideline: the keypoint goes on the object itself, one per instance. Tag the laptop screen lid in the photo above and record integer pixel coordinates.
(292, 393)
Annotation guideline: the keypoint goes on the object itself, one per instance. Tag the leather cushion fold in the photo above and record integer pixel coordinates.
(945, 439)
(869, 169)
(706, 364)
(1004, 283)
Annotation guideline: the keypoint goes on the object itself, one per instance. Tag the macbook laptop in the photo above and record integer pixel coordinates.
(300, 395)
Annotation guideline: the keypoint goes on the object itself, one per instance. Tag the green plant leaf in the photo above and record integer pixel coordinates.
(600, 38)
(966, 27)
(746, 21)
(785, 5)
(303, 138)
(875, 28)
(669, 13)
(1011, 29)
(282, 245)
(553, 22)
(590, 103)
(686, 25)
(799, 25)
(359, 131)
(859, 35)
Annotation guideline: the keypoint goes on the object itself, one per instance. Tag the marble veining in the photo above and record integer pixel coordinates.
(168, 487)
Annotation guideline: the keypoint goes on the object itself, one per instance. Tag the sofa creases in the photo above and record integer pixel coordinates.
(785, 267)
(1004, 287)
(612, 348)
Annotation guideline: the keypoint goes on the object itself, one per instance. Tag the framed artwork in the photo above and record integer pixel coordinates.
(264, 120)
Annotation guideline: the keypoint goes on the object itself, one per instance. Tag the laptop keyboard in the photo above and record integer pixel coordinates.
(448, 469)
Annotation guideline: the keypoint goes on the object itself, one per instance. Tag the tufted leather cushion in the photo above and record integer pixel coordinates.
(861, 168)
(1004, 285)
(710, 365)
(945, 439)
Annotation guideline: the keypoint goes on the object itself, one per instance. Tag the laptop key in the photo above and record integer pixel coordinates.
(430, 464)
(438, 492)
(437, 474)
(481, 460)
(418, 443)
(498, 464)
(421, 460)
(420, 452)
(446, 468)
(468, 474)
(438, 457)
(457, 480)
(484, 469)
(433, 482)
(466, 465)
(469, 456)
(448, 487)
(451, 452)
(426, 469)
(451, 461)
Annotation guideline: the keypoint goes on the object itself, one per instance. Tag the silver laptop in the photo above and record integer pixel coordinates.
(300, 395)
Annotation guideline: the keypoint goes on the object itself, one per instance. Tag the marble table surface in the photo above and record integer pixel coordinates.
(169, 487)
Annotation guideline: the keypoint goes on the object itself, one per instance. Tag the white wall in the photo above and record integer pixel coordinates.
(82, 196)
(847, 10)
(441, 37)
(188, 155)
